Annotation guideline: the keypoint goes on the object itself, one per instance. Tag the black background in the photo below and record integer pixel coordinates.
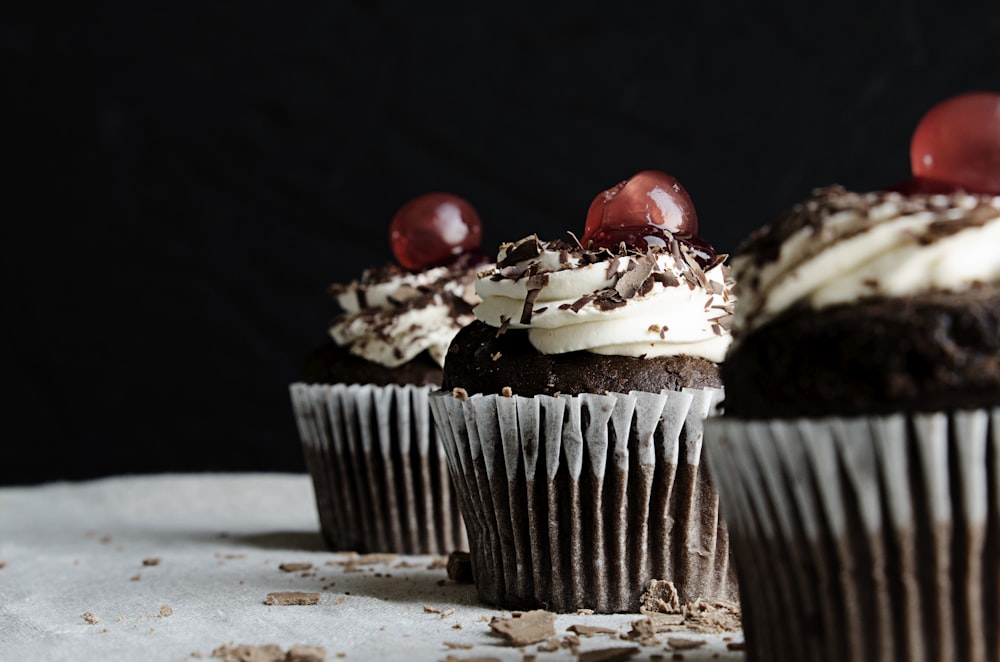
(185, 179)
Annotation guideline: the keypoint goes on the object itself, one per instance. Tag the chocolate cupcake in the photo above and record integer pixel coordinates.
(572, 410)
(858, 459)
(377, 466)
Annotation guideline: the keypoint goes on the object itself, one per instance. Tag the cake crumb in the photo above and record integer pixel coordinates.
(269, 653)
(91, 618)
(524, 628)
(660, 596)
(294, 567)
(683, 643)
(460, 393)
(736, 646)
(590, 630)
(151, 561)
(584, 612)
(3, 564)
(506, 392)
(134, 578)
(496, 356)
(166, 610)
(455, 645)
(291, 598)
(460, 567)
(550, 645)
(608, 654)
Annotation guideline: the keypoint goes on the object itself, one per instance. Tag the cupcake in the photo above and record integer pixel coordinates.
(378, 470)
(571, 410)
(858, 458)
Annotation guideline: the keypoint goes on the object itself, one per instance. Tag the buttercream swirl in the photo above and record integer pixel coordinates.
(656, 303)
(390, 316)
(839, 246)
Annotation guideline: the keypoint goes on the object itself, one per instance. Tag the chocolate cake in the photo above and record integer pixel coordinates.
(857, 456)
(362, 410)
(481, 359)
(932, 352)
(331, 363)
(930, 349)
(572, 410)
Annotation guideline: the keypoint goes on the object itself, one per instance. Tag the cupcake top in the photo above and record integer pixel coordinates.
(858, 304)
(660, 301)
(840, 247)
(395, 323)
(390, 315)
(639, 303)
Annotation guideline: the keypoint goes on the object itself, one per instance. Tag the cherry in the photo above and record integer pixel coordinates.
(434, 229)
(640, 211)
(958, 142)
(923, 186)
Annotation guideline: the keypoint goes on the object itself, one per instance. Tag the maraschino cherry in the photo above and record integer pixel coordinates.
(434, 229)
(956, 145)
(641, 211)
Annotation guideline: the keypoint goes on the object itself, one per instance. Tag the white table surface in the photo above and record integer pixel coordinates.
(67, 549)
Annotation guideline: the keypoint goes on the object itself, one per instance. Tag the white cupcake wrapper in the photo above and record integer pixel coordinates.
(378, 469)
(578, 501)
(865, 539)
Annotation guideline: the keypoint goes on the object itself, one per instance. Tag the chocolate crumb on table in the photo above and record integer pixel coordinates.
(151, 561)
(609, 654)
(590, 630)
(294, 567)
(682, 643)
(524, 628)
(90, 617)
(269, 653)
(291, 598)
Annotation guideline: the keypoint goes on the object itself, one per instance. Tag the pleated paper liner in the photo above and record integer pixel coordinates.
(865, 539)
(378, 469)
(577, 502)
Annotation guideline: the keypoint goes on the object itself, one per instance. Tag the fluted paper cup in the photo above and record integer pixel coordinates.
(378, 469)
(577, 502)
(865, 539)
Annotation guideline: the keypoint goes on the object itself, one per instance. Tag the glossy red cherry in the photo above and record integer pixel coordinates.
(640, 211)
(923, 186)
(958, 142)
(434, 229)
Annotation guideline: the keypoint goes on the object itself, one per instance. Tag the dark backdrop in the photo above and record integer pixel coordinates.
(184, 179)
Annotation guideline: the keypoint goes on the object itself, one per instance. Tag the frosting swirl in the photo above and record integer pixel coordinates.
(840, 246)
(390, 316)
(656, 303)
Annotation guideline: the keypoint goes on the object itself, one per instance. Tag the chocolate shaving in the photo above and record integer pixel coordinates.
(581, 302)
(504, 323)
(534, 285)
(524, 249)
(633, 278)
(666, 278)
(612, 268)
(529, 301)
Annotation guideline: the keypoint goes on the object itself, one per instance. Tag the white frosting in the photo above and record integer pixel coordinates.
(393, 320)
(881, 245)
(669, 319)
